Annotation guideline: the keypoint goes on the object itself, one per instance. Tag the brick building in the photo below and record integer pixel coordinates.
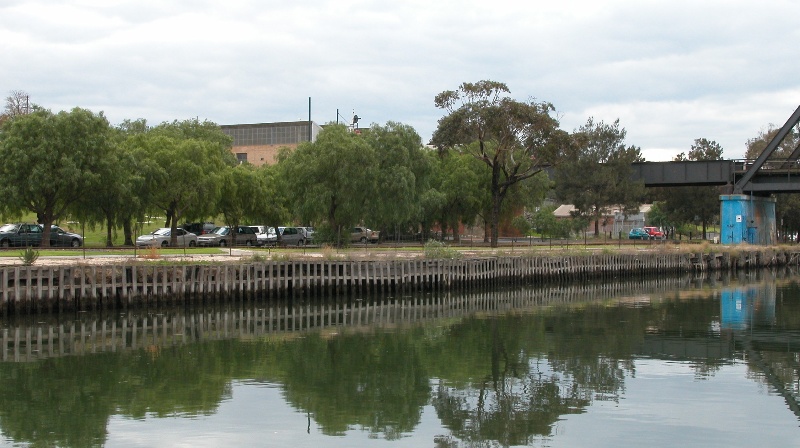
(258, 143)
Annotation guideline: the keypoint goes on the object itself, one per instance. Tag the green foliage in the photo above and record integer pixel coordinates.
(693, 205)
(242, 194)
(51, 162)
(597, 173)
(183, 165)
(332, 179)
(546, 224)
(513, 139)
(522, 224)
(29, 256)
(453, 198)
(402, 171)
(437, 250)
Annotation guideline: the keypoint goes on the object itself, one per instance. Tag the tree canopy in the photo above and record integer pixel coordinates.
(515, 139)
(597, 173)
(52, 161)
(182, 164)
(331, 179)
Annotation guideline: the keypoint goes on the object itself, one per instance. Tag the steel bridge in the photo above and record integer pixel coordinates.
(760, 177)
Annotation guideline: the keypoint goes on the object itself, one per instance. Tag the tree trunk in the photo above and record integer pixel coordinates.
(495, 218)
(128, 231)
(109, 226)
(497, 200)
(47, 221)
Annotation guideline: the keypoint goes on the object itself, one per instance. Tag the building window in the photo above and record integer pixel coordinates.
(241, 157)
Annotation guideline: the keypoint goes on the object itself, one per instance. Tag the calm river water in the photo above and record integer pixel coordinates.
(657, 362)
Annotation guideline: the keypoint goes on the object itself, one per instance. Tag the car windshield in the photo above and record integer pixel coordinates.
(8, 228)
(221, 231)
(162, 232)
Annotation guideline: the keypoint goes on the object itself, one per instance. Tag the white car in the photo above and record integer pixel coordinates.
(265, 236)
(162, 238)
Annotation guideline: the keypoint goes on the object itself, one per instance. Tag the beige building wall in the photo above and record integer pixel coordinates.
(259, 154)
(259, 143)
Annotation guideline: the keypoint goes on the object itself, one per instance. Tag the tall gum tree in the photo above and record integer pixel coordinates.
(515, 139)
(597, 173)
(52, 161)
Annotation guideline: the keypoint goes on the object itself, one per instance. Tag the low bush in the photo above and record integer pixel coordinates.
(438, 250)
(29, 256)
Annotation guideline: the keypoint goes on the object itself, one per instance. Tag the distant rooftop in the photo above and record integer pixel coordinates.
(280, 133)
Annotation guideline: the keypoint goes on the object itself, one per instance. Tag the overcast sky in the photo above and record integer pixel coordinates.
(671, 72)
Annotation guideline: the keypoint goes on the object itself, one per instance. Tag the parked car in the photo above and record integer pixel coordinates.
(20, 235)
(638, 233)
(309, 232)
(265, 235)
(221, 236)
(654, 232)
(163, 236)
(292, 236)
(199, 228)
(363, 235)
(61, 238)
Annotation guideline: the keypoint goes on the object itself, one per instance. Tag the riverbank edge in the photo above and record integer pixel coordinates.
(83, 285)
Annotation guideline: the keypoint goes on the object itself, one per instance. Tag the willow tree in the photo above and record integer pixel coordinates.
(515, 139)
(183, 165)
(331, 180)
(52, 161)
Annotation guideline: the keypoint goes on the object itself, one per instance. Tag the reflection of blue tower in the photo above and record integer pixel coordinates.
(742, 308)
(735, 310)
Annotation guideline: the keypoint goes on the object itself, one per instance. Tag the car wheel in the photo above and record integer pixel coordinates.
(248, 243)
(363, 240)
(222, 243)
(301, 242)
(4, 243)
(76, 242)
(192, 244)
(164, 244)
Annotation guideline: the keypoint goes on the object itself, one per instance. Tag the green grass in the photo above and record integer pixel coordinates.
(16, 251)
(94, 237)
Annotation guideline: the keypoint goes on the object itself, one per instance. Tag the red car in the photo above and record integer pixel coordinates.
(654, 232)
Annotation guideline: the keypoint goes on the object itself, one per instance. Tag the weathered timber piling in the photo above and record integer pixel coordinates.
(33, 289)
(29, 340)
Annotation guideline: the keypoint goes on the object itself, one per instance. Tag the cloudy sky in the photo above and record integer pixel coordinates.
(671, 72)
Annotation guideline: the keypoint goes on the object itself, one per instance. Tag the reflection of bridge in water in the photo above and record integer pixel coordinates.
(23, 343)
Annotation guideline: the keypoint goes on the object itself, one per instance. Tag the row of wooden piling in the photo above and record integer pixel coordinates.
(113, 332)
(48, 288)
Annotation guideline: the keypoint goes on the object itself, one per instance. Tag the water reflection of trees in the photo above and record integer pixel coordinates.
(493, 377)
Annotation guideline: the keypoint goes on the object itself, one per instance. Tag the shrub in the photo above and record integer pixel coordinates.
(438, 250)
(29, 256)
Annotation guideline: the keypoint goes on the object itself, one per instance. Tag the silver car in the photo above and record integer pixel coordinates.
(292, 236)
(221, 236)
(162, 238)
